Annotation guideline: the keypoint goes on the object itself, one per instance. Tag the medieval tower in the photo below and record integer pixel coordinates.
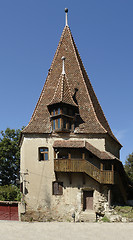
(69, 156)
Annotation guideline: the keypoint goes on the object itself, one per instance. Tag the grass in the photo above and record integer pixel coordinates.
(124, 211)
(105, 219)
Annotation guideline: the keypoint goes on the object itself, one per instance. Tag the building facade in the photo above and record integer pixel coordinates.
(69, 156)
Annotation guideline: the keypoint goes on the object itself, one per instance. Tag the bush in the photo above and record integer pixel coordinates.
(10, 193)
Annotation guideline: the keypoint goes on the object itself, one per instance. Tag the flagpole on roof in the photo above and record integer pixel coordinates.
(66, 11)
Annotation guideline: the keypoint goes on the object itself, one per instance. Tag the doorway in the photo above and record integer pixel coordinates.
(87, 200)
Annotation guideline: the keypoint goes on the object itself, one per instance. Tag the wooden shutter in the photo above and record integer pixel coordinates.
(60, 188)
(57, 188)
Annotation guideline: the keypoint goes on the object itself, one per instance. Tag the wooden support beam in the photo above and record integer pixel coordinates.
(112, 167)
(101, 167)
(83, 156)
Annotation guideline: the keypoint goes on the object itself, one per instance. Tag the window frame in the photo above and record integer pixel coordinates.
(43, 153)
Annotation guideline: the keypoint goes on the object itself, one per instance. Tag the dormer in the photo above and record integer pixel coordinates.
(62, 108)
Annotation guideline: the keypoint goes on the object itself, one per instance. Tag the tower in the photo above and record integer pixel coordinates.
(69, 155)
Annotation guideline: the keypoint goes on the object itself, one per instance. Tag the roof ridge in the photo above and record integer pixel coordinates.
(77, 54)
(61, 84)
(48, 75)
(76, 75)
(108, 130)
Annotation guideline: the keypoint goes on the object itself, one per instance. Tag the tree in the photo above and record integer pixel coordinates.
(9, 156)
(129, 166)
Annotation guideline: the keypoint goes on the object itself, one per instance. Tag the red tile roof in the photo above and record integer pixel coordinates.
(63, 93)
(68, 144)
(93, 118)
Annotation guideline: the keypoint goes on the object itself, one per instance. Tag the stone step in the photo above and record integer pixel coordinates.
(88, 216)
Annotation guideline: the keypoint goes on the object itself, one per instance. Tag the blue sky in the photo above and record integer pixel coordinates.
(103, 31)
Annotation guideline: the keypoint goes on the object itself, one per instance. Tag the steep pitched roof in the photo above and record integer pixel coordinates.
(63, 93)
(93, 118)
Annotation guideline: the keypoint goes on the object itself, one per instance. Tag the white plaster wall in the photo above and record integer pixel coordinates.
(72, 199)
(40, 175)
(112, 147)
(98, 143)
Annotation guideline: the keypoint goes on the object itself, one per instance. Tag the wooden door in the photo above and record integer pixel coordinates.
(88, 200)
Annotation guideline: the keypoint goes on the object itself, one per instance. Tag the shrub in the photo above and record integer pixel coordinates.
(10, 193)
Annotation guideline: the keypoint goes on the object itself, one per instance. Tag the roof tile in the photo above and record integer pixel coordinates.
(84, 144)
(91, 114)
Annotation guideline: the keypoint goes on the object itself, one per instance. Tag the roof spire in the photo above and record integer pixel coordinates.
(66, 11)
(63, 65)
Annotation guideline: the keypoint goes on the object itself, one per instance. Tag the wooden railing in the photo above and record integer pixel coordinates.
(81, 165)
(68, 165)
(107, 177)
(91, 170)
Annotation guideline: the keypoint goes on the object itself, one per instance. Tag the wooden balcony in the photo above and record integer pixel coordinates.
(81, 165)
(107, 177)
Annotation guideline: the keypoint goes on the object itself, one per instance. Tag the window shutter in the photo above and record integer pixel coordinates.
(57, 188)
(60, 188)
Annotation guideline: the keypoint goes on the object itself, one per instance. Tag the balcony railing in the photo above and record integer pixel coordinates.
(81, 165)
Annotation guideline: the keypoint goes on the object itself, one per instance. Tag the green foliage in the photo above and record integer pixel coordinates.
(129, 166)
(10, 193)
(105, 219)
(124, 211)
(9, 156)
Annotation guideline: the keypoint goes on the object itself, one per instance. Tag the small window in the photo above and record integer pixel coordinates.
(43, 154)
(57, 188)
